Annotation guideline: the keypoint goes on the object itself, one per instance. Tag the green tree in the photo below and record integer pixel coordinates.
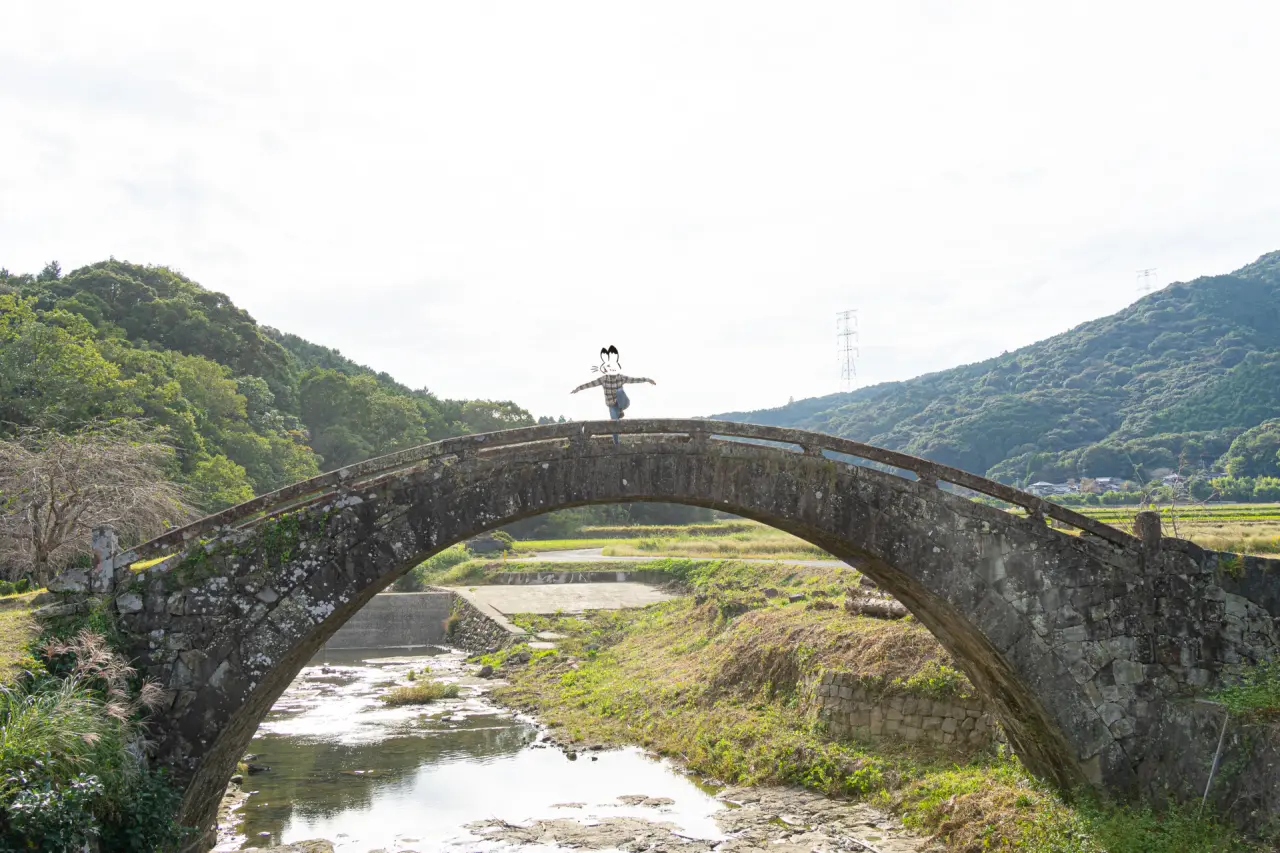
(1233, 488)
(352, 418)
(1255, 451)
(1200, 489)
(50, 372)
(217, 483)
(1266, 489)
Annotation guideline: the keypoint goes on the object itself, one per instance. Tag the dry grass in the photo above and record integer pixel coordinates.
(17, 631)
(420, 693)
(774, 648)
(1238, 537)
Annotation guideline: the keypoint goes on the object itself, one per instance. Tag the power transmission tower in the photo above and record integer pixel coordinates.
(1146, 279)
(847, 346)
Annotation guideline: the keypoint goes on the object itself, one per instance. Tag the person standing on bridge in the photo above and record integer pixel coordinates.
(611, 378)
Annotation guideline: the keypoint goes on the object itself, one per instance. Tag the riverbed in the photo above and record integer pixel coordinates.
(465, 775)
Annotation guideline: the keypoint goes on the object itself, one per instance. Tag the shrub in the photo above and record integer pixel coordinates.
(452, 623)
(56, 817)
(1256, 693)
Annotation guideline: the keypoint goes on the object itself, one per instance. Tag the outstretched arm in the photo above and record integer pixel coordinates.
(635, 380)
(593, 383)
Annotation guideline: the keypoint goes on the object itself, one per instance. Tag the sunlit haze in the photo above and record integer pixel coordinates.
(476, 197)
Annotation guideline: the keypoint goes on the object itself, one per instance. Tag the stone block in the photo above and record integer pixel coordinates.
(129, 603)
(949, 725)
(1110, 713)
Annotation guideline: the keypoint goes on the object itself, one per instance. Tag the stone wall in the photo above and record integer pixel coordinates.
(396, 620)
(850, 709)
(479, 628)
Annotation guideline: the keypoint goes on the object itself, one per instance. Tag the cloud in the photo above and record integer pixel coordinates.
(476, 198)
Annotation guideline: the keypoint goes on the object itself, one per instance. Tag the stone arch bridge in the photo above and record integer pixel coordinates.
(1090, 644)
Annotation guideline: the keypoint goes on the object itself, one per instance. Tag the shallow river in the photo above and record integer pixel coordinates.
(347, 768)
(465, 775)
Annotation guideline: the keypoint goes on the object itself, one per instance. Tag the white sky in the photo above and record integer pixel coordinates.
(477, 196)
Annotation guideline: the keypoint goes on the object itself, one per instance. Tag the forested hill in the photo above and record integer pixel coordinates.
(1168, 382)
(249, 409)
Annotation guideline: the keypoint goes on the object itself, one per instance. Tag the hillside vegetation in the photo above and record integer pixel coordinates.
(1168, 383)
(248, 409)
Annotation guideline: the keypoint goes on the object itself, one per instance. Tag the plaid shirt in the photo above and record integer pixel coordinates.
(611, 382)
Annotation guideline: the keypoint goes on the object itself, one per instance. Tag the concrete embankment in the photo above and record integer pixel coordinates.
(395, 620)
(406, 619)
(479, 627)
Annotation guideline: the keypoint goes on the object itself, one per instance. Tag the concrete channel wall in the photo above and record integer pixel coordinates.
(396, 619)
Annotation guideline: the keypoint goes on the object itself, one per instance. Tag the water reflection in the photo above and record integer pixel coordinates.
(347, 768)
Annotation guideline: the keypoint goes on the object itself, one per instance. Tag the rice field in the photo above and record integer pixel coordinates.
(1238, 528)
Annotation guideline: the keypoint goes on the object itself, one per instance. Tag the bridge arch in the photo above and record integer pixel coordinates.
(1048, 626)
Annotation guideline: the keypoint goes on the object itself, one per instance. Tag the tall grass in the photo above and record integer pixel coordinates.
(71, 741)
(59, 729)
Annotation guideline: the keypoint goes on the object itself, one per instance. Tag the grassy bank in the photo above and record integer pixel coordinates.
(720, 680)
(18, 631)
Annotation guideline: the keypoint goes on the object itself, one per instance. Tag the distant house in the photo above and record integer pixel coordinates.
(1045, 489)
(1109, 484)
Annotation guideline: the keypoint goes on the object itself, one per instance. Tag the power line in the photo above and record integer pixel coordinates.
(847, 347)
(1147, 279)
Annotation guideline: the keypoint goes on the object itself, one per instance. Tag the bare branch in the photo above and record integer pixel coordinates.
(55, 488)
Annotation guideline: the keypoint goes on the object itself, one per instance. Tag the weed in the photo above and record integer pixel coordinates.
(420, 693)
(1256, 693)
